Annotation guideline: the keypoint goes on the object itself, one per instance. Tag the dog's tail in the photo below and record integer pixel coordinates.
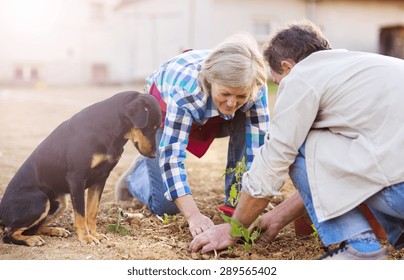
(7, 237)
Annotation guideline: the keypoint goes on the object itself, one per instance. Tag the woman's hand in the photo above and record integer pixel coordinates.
(199, 223)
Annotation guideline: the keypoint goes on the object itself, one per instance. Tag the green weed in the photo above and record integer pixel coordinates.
(117, 227)
(237, 230)
(235, 189)
(167, 218)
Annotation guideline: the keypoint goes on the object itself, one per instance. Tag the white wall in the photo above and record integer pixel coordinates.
(355, 25)
(241, 15)
(52, 44)
(132, 41)
(63, 45)
(156, 31)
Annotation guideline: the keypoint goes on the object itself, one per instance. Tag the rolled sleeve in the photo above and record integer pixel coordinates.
(295, 112)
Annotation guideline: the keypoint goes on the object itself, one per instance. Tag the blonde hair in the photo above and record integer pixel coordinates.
(236, 62)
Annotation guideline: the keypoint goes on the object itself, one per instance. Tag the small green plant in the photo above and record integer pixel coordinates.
(166, 219)
(117, 227)
(314, 233)
(237, 230)
(238, 172)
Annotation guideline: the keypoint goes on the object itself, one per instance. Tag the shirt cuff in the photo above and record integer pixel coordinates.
(257, 188)
(261, 183)
(174, 194)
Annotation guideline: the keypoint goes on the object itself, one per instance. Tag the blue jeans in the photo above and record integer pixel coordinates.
(387, 206)
(146, 182)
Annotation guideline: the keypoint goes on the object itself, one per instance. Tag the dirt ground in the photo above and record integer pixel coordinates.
(28, 115)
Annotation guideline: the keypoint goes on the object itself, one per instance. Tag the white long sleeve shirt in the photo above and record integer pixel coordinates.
(349, 108)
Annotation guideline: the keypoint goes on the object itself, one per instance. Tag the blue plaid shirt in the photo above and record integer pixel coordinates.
(177, 81)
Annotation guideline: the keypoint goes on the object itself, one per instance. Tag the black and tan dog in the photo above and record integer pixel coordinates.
(78, 155)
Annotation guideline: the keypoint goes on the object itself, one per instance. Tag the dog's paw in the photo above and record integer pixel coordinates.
(55, 231)
(63, 232)
(89, 239)
(100, 237)
(34, 240)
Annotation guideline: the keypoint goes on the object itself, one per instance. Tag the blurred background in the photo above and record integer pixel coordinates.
(119, 42)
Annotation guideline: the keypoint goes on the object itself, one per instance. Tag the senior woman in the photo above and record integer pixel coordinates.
(203, 95)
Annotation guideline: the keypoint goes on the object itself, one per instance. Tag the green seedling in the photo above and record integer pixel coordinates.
(235, 189)
(314, 233)
(237, 230)
(117, 227)
(167, 218)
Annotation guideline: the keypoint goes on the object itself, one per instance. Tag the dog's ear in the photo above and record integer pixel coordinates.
(138, 113)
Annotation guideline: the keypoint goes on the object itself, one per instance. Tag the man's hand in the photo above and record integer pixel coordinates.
(273, 221)
(216, 238)
(269, 225)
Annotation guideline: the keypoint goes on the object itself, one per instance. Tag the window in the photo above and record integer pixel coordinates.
(262, 30)
(391, 41)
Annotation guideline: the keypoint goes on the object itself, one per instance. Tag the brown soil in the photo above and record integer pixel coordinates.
(27, 116)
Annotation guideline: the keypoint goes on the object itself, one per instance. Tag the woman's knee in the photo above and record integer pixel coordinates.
(163, 206)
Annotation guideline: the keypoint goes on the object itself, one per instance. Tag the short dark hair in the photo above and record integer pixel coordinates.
(295, 42)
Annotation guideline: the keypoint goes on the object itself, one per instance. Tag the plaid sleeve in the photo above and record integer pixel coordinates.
(172, 151)
(257, 125)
